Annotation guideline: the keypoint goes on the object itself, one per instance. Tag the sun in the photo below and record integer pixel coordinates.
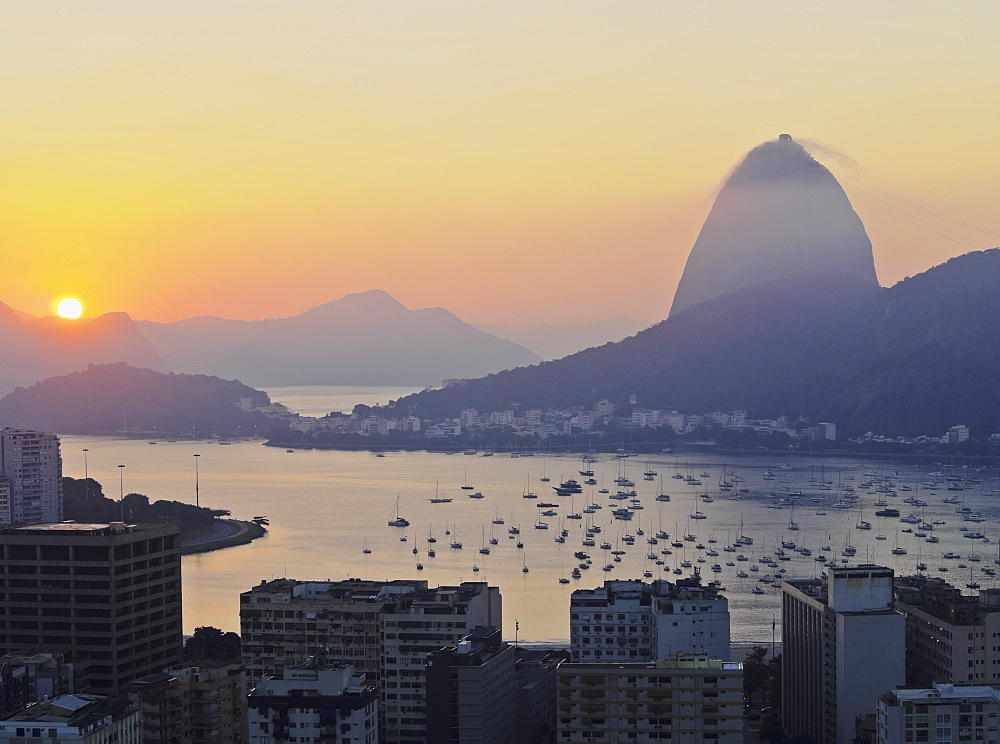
(69, 307)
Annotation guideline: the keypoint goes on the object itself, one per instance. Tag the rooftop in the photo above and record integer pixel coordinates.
(944, 693)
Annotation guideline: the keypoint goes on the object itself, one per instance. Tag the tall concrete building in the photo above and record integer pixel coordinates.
(470, 691)
(689, 699)
(320, 704)
(949, 637)
(107, 593)
(383, 629)
(942, 713)
(535, 694)
(635, 621)
(30, 477)
(842, 647)
(193, 705)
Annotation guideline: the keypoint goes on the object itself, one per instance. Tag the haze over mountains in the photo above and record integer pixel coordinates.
(556, 340)
(780, 215)
(367, 338)
(779, 313)
(37, 348)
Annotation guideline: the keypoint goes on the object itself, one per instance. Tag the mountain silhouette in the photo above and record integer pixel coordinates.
(911, 359)
(368, 338)
(780, 215)
(37, 348)
(109, 398)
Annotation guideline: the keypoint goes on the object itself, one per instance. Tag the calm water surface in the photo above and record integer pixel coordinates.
(325, 505)
(319, 400)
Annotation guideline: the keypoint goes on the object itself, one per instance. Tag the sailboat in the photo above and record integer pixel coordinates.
(544, 478)
(662, 495)
(484, 550)
(526, 494)
(465, 486)
(562, 574)
(364, 548)
(438, 499)
(398, 521)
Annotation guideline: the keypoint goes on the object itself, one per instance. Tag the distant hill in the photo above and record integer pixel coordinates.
(102, 398)
(911, 359)
(556, 340)
(36, 348)
(367, 338)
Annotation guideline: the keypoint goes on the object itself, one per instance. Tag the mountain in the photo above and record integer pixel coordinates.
(367, 338)
(556, 340)
(780, 215)
(37, 348)
(110, 397)
(911, 359)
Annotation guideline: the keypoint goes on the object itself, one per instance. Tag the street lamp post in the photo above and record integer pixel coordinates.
(196, 483)
(121, 493)
(86, 477)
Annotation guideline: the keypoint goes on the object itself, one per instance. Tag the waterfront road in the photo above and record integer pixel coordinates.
(223, 529)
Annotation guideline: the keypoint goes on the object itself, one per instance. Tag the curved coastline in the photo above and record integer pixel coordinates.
(230, 533)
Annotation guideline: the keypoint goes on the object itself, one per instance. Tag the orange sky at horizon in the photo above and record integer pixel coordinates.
(518, 162)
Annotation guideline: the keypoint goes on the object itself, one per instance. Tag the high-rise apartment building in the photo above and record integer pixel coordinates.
(107, 593)
(949, 637)
(30, 477)
(383, 629)
(942, 713)
(320, 704)
(470, 691)
(842, 647)
(690, 699)
(193, 705)
(635, 621)
(535, 694)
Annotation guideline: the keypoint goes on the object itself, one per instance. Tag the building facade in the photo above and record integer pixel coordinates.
(30, 477)
(82, 719)
(636, 621)
(323, 704)
(193, 705)
(470, 691)
(535, 694)
(949, 637)
(842, 647)
(689, 699)
(383, 629)
(943, 713)
(108, 594)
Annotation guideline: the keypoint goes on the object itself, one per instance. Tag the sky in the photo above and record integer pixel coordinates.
(514, 161)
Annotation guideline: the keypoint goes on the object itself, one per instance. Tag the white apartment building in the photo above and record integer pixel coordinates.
(943, 713)
(843, 645)
(635, 621)
(80, 719)
(31, 463)
(327, 704)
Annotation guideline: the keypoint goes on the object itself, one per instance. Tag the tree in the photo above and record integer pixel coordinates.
(211, 643)
(756, 672)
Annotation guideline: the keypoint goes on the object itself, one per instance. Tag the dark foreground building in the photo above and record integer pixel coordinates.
(107, 593)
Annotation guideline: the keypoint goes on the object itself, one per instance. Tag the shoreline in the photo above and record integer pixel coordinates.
(677, 450)
(234, 532)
